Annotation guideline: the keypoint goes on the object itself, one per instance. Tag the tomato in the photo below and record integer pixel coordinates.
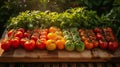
(97, 30)
(59, 37)
(40, 44)
(6, 44)
(83, 38)
(50, 45)
(43, 36)
(81, 30)
(37, 31)
(88, 45)
(82, 33)
(26, 34)
(99, 36)
(15, 42)
(52, 29)
(103, 44)
(43, 33)
(22, 41)
(43, 40)
(113, 45)
(21, 29)
(109, 29)
(35, 36)
(60, 44)
(18, 34)
(10, 32)
(92, 37)
(52, 36)
(29, 45)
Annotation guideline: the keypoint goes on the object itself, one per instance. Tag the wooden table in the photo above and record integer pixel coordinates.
(95, 55)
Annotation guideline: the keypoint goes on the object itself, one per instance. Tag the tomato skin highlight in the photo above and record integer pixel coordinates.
(29, 45)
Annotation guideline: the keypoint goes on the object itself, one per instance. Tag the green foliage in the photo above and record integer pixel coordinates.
(114, 16)
(75, 17)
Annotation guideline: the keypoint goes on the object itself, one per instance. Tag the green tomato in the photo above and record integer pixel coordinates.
(79, 46)
(69, 46)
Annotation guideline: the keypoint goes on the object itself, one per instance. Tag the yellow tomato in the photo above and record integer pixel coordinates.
(52, 36)
(50, 45)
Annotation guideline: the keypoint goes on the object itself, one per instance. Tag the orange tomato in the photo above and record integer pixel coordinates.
(60, 44)
(50, 45)
(52, 29)
(88, 45)
(52, 36)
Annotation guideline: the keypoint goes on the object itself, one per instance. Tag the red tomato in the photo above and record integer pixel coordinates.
(26, 34)
(43, 40)
(43, 33)
(113, 45)
(21, 29)
(36, 30)
(99, 36)
(10, 32)
(43, 36)
(22, 41)
(35, 36)
(15, 42)
(97, 30)
(40, 44)
(29, 45)
(103, 44)
(18, 34)
(6, 45)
